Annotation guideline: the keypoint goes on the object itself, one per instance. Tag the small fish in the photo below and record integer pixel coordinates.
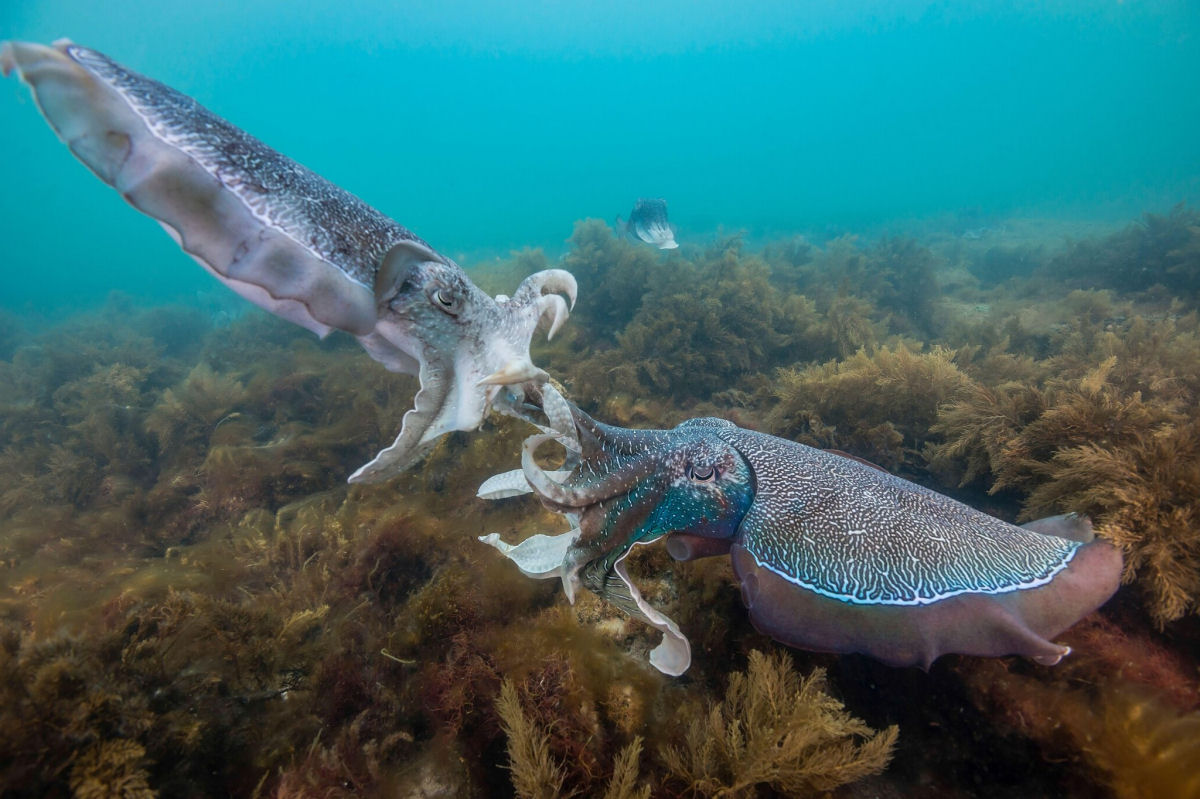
(648, 222)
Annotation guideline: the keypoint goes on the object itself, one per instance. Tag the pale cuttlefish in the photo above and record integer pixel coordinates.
(648, 222)
(832, 554)
(298, 246)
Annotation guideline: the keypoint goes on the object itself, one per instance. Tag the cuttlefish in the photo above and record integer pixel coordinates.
(298, 246)
(832, 554)
(648, 222)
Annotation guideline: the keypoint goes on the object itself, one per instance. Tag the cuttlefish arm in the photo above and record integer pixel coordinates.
(673, 654)
(618, 494)
(543, 557)
(472, 351)
(293, 243)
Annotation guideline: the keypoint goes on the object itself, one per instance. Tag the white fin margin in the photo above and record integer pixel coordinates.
(673, 655)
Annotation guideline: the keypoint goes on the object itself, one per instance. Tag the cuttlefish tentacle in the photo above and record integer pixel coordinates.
(295, 244)
(560, 427)
(585, 490)
(559, 418)
(832, 554)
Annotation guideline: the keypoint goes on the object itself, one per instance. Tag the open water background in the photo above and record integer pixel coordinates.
(486, 127)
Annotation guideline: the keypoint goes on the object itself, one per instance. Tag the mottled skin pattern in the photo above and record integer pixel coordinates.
(462, 339)
(833, 554)
(856, 534)
(334, 224)
(296, 245)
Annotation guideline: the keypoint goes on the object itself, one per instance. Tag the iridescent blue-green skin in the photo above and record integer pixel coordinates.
(634, 486)
(672, 499)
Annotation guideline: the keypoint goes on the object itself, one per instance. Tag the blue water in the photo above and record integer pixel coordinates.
(486, 127)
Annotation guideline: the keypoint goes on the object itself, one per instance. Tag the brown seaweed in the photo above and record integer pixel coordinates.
(194, 602)
(878, 406)
(776, 728)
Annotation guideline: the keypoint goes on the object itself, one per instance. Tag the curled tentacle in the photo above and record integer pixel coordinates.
(552, 312)
(547, 281)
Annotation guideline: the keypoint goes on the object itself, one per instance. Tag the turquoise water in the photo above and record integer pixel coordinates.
(486, 128)
(193, 602)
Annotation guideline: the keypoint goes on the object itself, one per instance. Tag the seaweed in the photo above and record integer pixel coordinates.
(195, 603)
(896, 277)
(849, 326)
(111, 770)
(1160, 250)
(1126, 737)
(535, 775)
(1117, 443)
(538, 773)
(904, 273)
(705, 328)
(1000, 263)
(187, 414)
(787, 259)
(613, 276)
(1144, 494)
(775, 728)
(878, 406)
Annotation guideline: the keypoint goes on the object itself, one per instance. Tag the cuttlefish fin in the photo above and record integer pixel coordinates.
(1071, 526)
(673, 655)
(542, 557)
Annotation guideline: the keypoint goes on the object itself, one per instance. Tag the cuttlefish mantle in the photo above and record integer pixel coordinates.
(296, 245)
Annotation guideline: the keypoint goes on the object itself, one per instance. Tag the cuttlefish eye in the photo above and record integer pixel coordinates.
(445, 300)
(702, 474)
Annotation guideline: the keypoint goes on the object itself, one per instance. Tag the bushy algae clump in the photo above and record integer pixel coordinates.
(1160, 249)
(705, 326)
(1116, 441)
(774, 727)
(879, 406)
